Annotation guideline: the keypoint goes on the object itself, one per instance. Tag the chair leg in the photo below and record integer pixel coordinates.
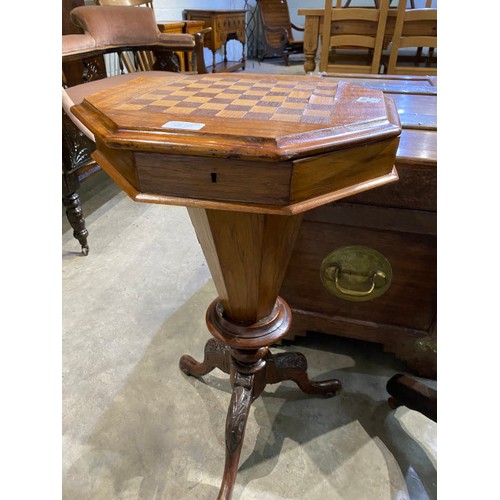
(286, 58)
(75, 216)
(76, 154)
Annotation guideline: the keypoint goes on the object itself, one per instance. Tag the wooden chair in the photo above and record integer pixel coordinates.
(278, 39)
(353, 28)
(103, 34)
(144, 60)
(414, 28)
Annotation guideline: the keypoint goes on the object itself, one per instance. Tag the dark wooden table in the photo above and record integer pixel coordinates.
(399, 221)
(248, 155)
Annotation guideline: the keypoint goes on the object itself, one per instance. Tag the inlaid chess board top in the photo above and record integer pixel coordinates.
(239, 115)
(223, 97)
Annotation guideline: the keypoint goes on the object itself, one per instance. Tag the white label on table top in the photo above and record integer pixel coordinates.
(368, 99)
(184, 125)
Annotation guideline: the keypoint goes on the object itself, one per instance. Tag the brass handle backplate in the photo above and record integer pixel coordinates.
(356, 273)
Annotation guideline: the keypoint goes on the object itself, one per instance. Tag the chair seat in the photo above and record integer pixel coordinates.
(75, 95)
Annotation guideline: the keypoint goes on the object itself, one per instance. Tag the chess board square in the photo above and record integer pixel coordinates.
(271, 104)
(244, 102)
(157, 109)
(300, 94)
(208, 92)
(305, 86)
(131, 107)
(289, 111)
(275, 97)
(284, 86)
(199, 85)
(186, 104)
(240, 87)
(184, 93)
(254, 92)
(166, 103)
(181, 111)
(218, 84)
(292, 105)
(262, 109)
(251, 115)
(212, 105)
(231, 114)
(203, 94)
(250, 97)
(221, 100)
(265, 84)
(195, 98)
(301, 100)
(235, 107)
(206, 112)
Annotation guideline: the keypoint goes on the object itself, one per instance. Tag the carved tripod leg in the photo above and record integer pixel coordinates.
(216, 356)
(236, 422)
(293, 366)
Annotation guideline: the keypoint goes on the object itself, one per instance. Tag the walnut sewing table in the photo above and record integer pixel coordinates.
(247, 155)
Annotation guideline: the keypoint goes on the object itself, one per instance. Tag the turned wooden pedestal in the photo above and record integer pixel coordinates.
(247, 255)
(248, 155)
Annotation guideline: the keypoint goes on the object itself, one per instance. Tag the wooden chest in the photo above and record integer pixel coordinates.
(399, 222)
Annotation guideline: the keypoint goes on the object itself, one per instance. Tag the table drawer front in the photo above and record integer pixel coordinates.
(230, 24)
(213, 178)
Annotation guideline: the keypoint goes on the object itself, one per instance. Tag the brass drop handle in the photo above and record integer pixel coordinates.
(335, 270)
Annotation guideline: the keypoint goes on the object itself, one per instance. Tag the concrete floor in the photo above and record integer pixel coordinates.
(135, 427)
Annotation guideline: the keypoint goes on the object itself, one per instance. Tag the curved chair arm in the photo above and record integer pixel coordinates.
(278, 29)
(297, 28)
(75, 44)
(122, 28)
(199, 39)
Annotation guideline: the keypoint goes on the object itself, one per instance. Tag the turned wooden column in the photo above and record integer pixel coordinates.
(247, 254)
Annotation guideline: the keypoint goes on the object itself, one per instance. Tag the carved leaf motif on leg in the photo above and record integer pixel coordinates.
(216, 356)
(237, 417)
(292, 360)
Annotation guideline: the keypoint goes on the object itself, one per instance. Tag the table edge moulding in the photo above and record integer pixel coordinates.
(246, 181)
